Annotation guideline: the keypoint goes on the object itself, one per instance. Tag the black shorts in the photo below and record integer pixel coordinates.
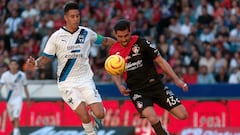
(156, 94)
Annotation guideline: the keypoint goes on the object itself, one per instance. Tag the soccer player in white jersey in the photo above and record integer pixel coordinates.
(16, 83)
(71, 46)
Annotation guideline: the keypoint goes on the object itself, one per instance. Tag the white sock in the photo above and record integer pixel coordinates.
(89, 128)
(16, 131)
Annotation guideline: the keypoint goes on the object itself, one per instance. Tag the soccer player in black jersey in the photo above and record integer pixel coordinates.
(143, 84)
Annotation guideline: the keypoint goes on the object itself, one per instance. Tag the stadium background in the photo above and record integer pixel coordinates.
(203, 49)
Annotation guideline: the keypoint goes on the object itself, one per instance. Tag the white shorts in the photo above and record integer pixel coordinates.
(14, 110)
(75, 92)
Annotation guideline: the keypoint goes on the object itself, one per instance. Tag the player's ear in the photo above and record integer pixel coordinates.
(65, 17)
(114, 33)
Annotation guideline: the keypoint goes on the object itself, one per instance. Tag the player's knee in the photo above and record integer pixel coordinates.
(152, 119)
(99, 114)
(183, 116)
(85, 119)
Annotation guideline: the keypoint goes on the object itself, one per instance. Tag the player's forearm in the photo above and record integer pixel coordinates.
(168, 70)
(41, 61)
(117, 81)
(107, 41)
(27, 93)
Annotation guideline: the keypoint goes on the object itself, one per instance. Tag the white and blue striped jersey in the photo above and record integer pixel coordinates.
(14, 84)
(72, 51)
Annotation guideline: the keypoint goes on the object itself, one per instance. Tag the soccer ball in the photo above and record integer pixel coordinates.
(115, 64)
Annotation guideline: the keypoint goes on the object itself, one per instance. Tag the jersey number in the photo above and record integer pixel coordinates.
(171, 101)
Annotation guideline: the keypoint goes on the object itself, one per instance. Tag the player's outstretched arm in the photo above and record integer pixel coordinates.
(42, 60)
(123, 90)
(168, 69)
(107, 41)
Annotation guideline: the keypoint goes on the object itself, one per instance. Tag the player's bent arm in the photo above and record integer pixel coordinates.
(121, 88)
(107, 41)
(168, 69)
(117, 80)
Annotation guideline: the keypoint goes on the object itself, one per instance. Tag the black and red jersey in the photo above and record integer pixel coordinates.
(140, 68)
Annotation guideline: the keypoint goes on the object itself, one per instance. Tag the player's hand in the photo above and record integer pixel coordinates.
(182, 85)
(31, 61)
(124, 91)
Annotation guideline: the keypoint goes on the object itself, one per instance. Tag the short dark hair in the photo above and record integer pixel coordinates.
(69, 6)
(122, 25)
(14, 60)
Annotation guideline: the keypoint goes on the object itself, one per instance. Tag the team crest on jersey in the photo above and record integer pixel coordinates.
(135, 49)
(139, 104)
(82, 36)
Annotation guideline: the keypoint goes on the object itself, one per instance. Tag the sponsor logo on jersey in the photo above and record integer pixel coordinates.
(136, 96)
(73, 56)
(134, 65)
(73, 47)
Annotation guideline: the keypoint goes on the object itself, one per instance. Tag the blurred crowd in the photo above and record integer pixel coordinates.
(199, 38)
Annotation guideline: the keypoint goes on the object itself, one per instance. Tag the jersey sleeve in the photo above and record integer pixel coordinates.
(95, 38)
(2, 80)
(152, 52)
(50, 48)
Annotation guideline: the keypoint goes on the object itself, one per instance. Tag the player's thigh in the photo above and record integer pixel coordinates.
(82, 112)
(150, 114)
(71, 94)
(89, 93)
(166, 99)
(170, 102)
(140, 101)
(97, 109)
(14, 110)
(179, 112)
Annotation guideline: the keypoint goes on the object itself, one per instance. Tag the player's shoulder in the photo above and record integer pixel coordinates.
(85, 28)
(57, 33)
(21, 73)
(143, 41)
(6, 73)
(60, 31)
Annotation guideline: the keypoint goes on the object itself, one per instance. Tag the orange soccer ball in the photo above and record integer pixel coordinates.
(115, 64)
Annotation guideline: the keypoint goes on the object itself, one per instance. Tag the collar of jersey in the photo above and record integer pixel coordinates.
(64, 28)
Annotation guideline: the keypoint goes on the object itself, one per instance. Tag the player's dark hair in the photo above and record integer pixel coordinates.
(69, 6)
(122, 25)
(13, 60)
